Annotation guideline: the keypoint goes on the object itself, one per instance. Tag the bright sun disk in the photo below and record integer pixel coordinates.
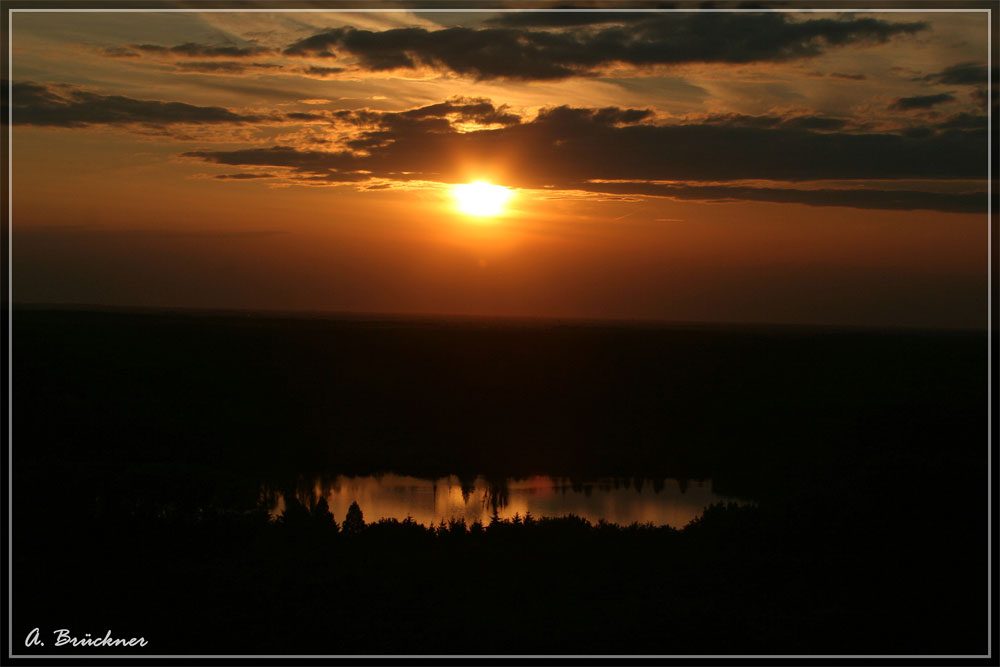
(481, 198)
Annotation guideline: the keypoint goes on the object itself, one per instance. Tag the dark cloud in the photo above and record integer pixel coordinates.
(242, 176)
(119, 52)
(960, 74)
(191, 50)
(321, 72)
(822, 123)
(333, 177)
(576, 149)
(385, 127)
(476, 109)
(968, 74)
(964, 121)
(298, 115)
(740, 120)
(435, 119)
(602, 117)
(277, 156)
(902, 200)
(659, 39)
(178, 56)
(851, 77)
(223, 66)
(921, 101)
(35, 104)
(303, 166)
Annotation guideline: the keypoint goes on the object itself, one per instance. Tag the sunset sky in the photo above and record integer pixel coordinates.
(688, 166)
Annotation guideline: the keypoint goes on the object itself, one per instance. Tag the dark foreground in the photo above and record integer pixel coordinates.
(142, 440)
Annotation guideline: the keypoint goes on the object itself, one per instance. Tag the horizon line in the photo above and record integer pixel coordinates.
(373, 315)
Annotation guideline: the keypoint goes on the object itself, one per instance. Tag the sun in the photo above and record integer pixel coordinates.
(481, 198)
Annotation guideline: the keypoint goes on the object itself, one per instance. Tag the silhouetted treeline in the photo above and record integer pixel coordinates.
(741, 579)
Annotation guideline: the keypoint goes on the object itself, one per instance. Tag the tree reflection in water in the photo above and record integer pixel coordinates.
(623, 499)
(496, 497)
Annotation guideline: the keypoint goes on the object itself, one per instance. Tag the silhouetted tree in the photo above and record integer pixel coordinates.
(354, 522)
(323, 516)
(295, 514)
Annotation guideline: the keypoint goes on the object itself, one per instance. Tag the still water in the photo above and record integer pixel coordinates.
(616, 500)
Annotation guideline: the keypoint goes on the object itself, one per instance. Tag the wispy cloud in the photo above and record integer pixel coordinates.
(35, 104)
(190, 50)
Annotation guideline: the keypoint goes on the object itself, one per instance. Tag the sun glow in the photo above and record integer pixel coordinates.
(481, 198)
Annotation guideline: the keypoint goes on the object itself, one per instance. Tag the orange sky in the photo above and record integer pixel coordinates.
(828, 178)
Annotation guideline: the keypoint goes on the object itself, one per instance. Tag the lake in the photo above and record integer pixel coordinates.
(619, 500)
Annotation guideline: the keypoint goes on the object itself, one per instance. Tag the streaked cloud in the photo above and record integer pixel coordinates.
(35, 104)
(961, 74)
(190, 50)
